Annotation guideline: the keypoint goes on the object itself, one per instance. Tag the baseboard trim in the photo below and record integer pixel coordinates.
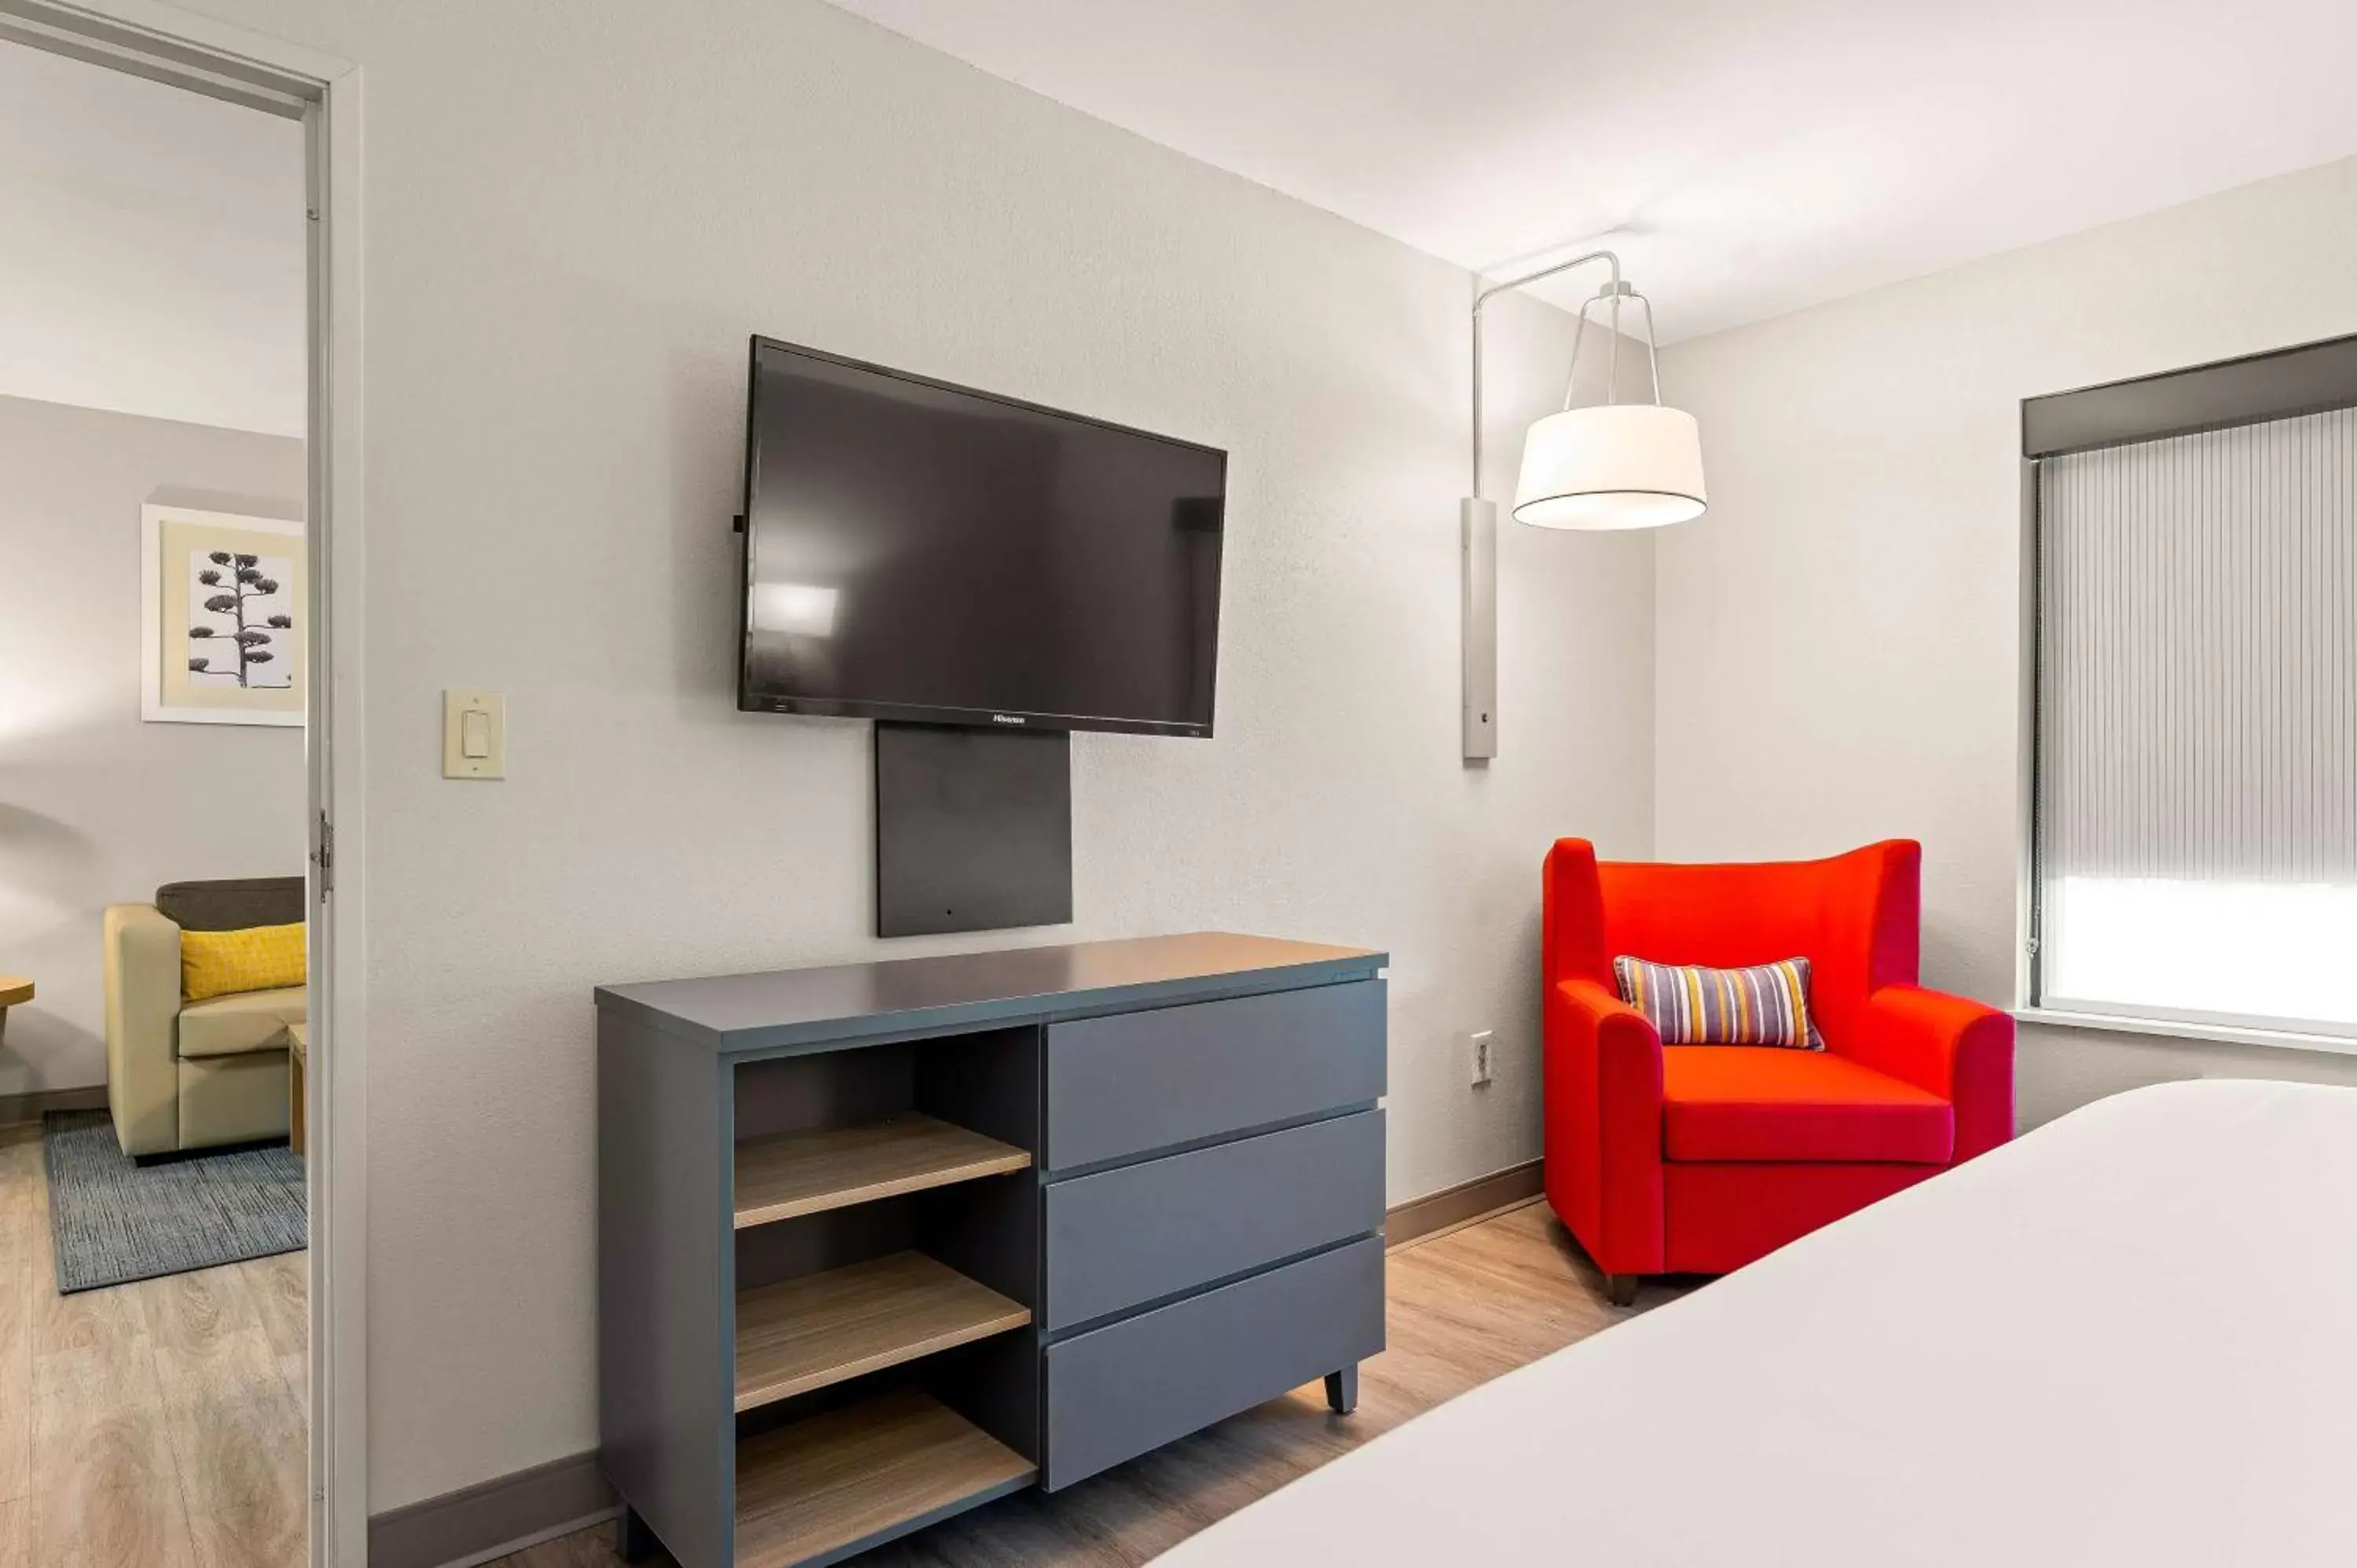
(491, 1518)
(31, 1105)
(478, 1523)
(1453, 1209)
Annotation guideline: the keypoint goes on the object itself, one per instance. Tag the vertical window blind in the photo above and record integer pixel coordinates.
(2197, 726)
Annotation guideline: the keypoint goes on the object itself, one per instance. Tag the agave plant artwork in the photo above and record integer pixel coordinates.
(238, 589)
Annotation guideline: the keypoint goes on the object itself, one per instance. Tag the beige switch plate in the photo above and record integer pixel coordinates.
(474, 722)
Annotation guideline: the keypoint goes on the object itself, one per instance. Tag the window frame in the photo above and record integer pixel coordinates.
(2223, 394)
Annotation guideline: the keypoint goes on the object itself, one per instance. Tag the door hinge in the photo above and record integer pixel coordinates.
(324, 856)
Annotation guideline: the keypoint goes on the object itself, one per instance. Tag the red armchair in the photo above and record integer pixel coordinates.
(1698, 1159)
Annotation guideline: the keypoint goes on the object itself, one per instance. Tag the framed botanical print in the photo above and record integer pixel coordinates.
(226, 618)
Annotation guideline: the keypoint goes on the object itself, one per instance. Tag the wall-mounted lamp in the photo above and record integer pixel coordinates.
(1605, 465)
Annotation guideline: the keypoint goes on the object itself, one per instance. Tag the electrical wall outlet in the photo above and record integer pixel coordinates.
(1481, 1042)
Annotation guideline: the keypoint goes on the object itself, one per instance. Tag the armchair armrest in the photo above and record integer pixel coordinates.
(1603, 1090)
(1957, 1048)
(1624, 1038)
(142, 950)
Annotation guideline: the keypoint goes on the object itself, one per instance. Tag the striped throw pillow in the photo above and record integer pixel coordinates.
(1690, 1005)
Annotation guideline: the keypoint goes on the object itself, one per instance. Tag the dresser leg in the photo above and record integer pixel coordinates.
(638, 1543)
(1342, 1389)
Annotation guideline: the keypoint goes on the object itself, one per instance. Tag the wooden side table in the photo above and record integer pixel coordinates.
(298, 1062)
(14, 989)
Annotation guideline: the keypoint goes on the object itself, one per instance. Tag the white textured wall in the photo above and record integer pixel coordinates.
(575, 217)
(96, 806)
(1838, 641)
(151, 248)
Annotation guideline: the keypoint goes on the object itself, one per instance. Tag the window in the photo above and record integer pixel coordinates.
(2195, 816)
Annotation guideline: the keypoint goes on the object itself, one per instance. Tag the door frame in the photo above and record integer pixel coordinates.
(165, 44)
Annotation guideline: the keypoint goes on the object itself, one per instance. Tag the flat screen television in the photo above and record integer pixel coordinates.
(924, 551)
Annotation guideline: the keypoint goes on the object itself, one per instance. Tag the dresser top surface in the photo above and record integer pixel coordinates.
(789, 1006)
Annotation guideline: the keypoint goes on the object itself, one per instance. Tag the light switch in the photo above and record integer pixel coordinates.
(474, 735)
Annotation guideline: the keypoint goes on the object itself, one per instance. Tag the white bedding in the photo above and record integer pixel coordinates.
(2128, 1338)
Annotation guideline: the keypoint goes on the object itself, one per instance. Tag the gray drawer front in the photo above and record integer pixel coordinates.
(1117, 1392)
(1139, 1232)
(1136, 1082)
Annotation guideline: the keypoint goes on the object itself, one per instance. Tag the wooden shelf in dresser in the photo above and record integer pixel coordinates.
(824, 1329)
(888, 1464)
(789, 1175)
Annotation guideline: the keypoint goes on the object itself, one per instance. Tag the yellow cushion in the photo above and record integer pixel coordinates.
(260, 958)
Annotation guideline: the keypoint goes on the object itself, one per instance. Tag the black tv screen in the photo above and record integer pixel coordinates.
(920, 551)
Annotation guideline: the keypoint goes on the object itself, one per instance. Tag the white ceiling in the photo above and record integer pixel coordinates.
(151, 248)
(1746, 156)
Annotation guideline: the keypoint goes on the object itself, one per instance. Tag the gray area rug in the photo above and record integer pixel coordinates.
(113, 1222)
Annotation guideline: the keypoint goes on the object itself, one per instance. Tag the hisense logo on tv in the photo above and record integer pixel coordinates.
(1006, 718)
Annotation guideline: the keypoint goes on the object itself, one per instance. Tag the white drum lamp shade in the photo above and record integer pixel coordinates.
(1612, 465)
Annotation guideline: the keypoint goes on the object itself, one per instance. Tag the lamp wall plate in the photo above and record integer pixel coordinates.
(1478, 534)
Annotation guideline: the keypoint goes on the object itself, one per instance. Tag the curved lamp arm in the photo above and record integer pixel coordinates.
(1478, 536)
(1508, 285)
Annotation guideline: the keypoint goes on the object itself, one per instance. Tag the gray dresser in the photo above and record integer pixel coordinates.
(881, 1243)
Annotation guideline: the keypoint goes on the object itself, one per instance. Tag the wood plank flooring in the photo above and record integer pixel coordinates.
(1464, 1307)
(160, 1424)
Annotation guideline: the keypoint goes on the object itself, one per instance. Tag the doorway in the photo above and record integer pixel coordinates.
(262, 1478)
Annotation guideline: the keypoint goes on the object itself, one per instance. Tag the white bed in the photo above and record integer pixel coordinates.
(2128, 1338)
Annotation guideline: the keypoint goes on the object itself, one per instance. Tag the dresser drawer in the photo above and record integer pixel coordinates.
(1136, 1082)
(1133, 1234)
(1116, 1392)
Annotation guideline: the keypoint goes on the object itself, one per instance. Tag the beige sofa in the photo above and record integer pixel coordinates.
(204, 1073)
